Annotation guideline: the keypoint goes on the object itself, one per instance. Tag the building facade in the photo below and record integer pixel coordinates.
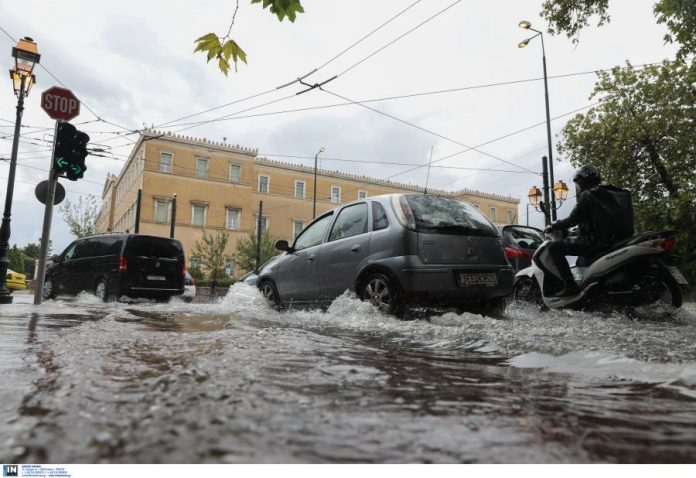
(218, 186)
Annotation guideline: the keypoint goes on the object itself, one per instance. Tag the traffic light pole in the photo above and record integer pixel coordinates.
(46, 230)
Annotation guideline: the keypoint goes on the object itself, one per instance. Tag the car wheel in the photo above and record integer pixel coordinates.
(380, 291)
(48, 290)
(270, 293)
(101, 290)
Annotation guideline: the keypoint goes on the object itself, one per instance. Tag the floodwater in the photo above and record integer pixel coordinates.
(235, 382)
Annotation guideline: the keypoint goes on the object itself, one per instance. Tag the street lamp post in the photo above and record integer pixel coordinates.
(314, 195)
(26, 55)
(560, 194)
(528, 26)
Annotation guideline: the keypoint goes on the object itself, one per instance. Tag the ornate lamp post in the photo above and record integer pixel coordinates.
(26, 55)
(528, 26)
(314, 196)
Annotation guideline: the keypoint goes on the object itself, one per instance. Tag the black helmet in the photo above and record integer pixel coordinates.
(587, 177)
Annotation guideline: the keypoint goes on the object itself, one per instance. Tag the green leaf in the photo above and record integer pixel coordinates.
(282, 8)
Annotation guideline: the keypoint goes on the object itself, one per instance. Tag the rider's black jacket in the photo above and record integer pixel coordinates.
(603, 214)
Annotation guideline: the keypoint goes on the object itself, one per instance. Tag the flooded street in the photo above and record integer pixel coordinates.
(237, 382)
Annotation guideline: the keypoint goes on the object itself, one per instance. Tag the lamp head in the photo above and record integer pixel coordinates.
(525, 24)
(560, 191)
(26, 55)
(534, 196)
(523, 43)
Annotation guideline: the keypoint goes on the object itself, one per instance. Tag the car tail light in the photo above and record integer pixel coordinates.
(183, 269)
(668, 244)
(513, 252)
(122, 264)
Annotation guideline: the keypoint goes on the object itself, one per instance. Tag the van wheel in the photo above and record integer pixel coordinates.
(270, 293)
(48, 291)
(381, 291)
(101, 290)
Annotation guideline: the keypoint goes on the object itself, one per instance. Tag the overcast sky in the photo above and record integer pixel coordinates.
(132, 64)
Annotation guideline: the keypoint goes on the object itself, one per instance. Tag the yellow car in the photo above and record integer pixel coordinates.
(15, 280)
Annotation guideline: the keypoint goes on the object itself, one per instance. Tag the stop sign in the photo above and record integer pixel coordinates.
(60, 103)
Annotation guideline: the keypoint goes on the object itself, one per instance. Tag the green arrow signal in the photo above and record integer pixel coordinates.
(61, 162)
(76, 169)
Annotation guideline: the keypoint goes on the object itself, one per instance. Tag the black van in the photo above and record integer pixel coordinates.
(112, 265)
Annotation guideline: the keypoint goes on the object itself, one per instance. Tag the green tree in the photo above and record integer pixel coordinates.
(571, 16)
(224, 48)
(81, 216)
(32, 250)
(16, 259)
(245, 253)
(642, 135)
(211, 251)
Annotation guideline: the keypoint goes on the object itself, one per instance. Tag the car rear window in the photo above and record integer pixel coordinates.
(154, 247)
(448, 216)
(523, 237)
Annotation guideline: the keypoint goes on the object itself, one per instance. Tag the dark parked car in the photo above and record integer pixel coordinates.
(520, 243)
(112, 265)
(394, 250)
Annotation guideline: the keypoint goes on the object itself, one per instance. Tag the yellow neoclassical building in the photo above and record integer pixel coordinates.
(220, 186)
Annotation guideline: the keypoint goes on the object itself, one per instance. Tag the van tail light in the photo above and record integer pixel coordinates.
(515, 253)
(122, 264)
(668, 244)
(183, 269)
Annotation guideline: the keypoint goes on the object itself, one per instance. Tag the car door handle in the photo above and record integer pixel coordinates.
(311, 257)
(355, 248)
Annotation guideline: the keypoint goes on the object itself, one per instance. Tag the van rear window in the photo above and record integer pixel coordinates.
(154, 247)
(448, 216)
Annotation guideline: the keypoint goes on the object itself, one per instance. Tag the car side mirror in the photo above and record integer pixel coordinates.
(55, 259)
(282, 245)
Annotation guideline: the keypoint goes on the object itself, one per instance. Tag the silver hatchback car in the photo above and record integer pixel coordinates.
(396, 251)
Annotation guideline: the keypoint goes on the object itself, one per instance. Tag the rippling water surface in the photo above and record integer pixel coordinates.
(237, 382)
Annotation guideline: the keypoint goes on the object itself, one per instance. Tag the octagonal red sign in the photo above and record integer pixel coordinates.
(60, 103)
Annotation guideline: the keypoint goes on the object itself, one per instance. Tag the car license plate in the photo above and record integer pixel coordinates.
(477, 280)
(678, 276)
(156, 278)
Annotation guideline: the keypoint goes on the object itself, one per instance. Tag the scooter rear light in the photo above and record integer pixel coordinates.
(122, 264)
(668, 244)
(515, 253)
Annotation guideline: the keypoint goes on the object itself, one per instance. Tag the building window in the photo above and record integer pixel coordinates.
(194, 262)
(299, 189)
(230, 267)
(264, 184)
(198, 214)
(201, 168)
(509, 216)
(162, 210)
(494, 216)
(362, 194)
(335, 194)
(264, 224)
(166, 160)
(297, 227)
(233, 215)
(235, 173)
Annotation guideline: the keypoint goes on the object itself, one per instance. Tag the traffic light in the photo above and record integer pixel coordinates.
(70, 152)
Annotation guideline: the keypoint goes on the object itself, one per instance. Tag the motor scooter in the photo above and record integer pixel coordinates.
(636, 271)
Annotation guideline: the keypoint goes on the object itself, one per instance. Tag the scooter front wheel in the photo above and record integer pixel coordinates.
(527, 289)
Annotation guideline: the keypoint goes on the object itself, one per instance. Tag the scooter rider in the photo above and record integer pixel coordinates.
(603, 214)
